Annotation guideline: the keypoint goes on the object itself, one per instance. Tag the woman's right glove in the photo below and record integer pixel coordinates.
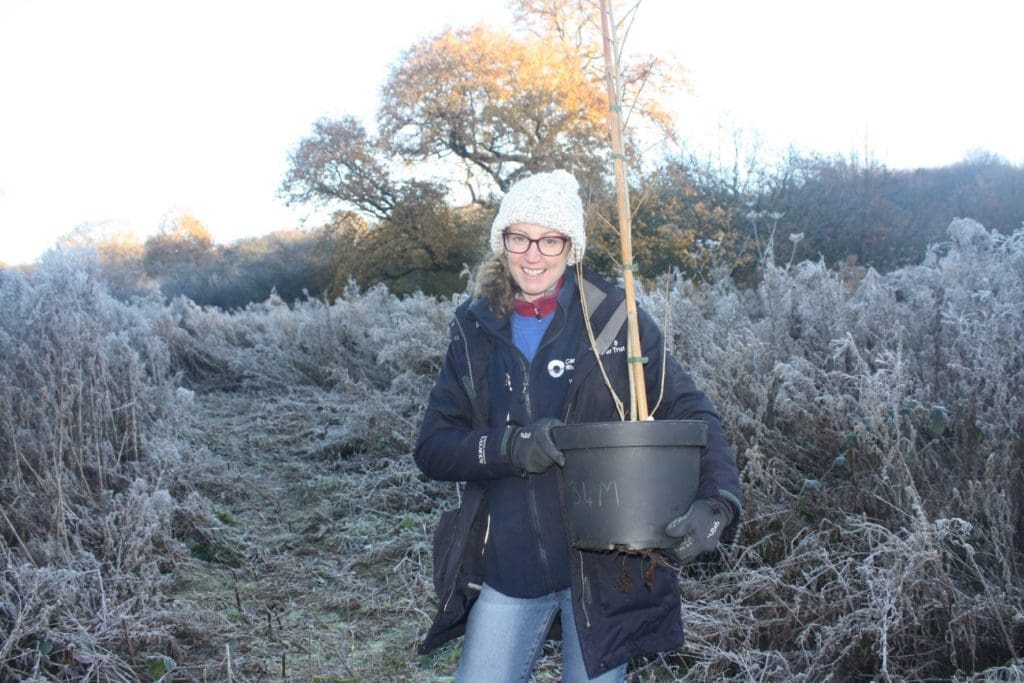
(532, 449)
(700, 528)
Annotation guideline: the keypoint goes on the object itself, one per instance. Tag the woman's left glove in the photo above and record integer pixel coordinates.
(700, 528)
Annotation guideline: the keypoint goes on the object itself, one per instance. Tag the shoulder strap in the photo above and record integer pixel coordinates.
(595, 297)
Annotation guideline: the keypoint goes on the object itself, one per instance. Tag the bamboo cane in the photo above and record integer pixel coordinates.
(638, 389)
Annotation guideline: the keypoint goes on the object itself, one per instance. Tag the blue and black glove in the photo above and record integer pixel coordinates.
(531, 448)
(700, 529)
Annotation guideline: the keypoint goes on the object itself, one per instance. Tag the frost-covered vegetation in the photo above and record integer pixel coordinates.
(87, 406)
(880, 436)
(210, 495)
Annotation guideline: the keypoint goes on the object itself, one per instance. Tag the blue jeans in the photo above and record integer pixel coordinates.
(504, 636)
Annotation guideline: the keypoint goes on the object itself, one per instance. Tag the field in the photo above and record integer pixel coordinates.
(193, 495)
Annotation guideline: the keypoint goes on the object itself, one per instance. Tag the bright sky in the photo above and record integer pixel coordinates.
(124, 110)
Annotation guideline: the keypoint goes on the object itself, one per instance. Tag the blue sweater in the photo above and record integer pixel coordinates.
(527, 331)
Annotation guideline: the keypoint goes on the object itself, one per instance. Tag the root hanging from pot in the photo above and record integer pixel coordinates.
(654, 558)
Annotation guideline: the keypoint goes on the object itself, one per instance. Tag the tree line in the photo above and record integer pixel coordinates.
(465, 113)
(688, 218)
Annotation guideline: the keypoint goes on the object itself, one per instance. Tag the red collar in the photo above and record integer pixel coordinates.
(541, 306)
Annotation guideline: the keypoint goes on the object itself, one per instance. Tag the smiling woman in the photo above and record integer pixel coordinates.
(522, 359)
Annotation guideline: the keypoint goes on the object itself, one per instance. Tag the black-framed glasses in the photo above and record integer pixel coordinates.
(549, 245)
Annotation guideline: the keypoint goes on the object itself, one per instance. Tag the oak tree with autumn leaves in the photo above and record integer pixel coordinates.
(501, 106)
(466, 113)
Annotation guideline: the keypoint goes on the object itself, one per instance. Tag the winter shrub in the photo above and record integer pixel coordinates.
(370, 337)
(84, 382)
(376, 354)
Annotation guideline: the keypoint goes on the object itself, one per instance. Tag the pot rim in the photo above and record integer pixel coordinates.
(636, 434)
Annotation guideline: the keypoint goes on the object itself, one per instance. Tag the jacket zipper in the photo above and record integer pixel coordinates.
(542, 554)
(526, 388)
(508, 385)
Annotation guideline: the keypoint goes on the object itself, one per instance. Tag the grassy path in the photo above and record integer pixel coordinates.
(309, 561)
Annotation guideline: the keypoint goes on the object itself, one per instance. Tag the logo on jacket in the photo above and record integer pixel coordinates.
(557, 368)
(614, 348)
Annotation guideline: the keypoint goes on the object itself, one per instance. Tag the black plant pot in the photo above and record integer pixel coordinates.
(626, 480)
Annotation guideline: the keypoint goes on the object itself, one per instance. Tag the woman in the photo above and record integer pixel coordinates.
(518, 365)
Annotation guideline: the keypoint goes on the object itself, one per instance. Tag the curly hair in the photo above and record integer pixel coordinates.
(494, 282)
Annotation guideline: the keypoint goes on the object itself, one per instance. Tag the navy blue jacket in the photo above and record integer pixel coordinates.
(511, 530)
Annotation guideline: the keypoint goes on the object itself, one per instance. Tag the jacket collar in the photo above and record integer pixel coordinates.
(541, 306)
(481, 313)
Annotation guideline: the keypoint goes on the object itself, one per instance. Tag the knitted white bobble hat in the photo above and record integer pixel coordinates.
(550, 200)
